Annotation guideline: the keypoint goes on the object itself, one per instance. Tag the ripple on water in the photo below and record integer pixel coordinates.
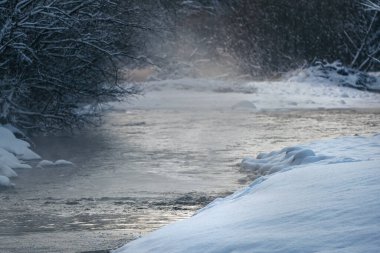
(143, 170)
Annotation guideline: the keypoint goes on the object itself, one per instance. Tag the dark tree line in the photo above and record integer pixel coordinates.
(274, 36)
(268, 37)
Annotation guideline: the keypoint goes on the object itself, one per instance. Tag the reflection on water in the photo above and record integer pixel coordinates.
(146, 168)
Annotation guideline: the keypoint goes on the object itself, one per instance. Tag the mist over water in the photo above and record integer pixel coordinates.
(162, 155)
(151, 164)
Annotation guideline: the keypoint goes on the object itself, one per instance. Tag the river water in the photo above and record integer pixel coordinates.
(149, 165)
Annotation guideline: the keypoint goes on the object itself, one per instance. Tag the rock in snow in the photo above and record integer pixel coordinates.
(315, 203)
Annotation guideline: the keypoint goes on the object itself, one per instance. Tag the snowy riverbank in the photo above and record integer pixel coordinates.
(303, 91)
(143, 169)
(13, 154)
(323, 199)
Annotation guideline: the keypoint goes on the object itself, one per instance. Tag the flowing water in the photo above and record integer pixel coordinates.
(148, 166)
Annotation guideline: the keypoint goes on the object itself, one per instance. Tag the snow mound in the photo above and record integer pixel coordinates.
(18, 147)
(7, 171)
(5, 182)
(12, 152)
(14, 130)
(267, 163)
(58, 163)
(328, 206)
(63, 163)
(10, 160)
(336, 73)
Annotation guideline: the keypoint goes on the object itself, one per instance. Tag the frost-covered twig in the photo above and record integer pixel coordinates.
(375, 6)
(56, 56)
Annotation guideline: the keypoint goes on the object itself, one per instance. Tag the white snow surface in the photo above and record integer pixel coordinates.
(16, 146)
(296, 93)
(337, 74)
(324, 198)
(5, 182)
(12, 153)
(279, 160)
(58, 163)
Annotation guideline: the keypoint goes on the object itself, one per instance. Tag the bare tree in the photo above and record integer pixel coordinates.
(56, 57)
(374, 54)
(362, 42)
(372, 5)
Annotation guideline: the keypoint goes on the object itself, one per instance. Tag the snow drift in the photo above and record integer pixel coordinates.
(279, 160)
(315, 203)
(337, 74)
(13, 152)
(305, 90)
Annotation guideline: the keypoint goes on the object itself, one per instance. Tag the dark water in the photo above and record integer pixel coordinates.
(145, 168)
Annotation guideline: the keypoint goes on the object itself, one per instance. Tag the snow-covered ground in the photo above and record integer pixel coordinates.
(13, 153)
(299, 92)
(324, 198)
(337, 74)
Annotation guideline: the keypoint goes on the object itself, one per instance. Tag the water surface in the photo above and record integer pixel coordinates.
(148, 166)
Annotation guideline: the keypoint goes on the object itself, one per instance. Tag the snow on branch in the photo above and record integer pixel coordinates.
(372, 5)
(58, 56)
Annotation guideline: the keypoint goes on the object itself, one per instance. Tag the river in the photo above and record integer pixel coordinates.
(153, 161)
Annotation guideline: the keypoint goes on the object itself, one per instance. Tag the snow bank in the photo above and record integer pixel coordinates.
(5, 182)
(201, 85)
(18, 147)
(337, 74)
(279, 160)
(205, 94)
(316, 203)
(12, 152)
